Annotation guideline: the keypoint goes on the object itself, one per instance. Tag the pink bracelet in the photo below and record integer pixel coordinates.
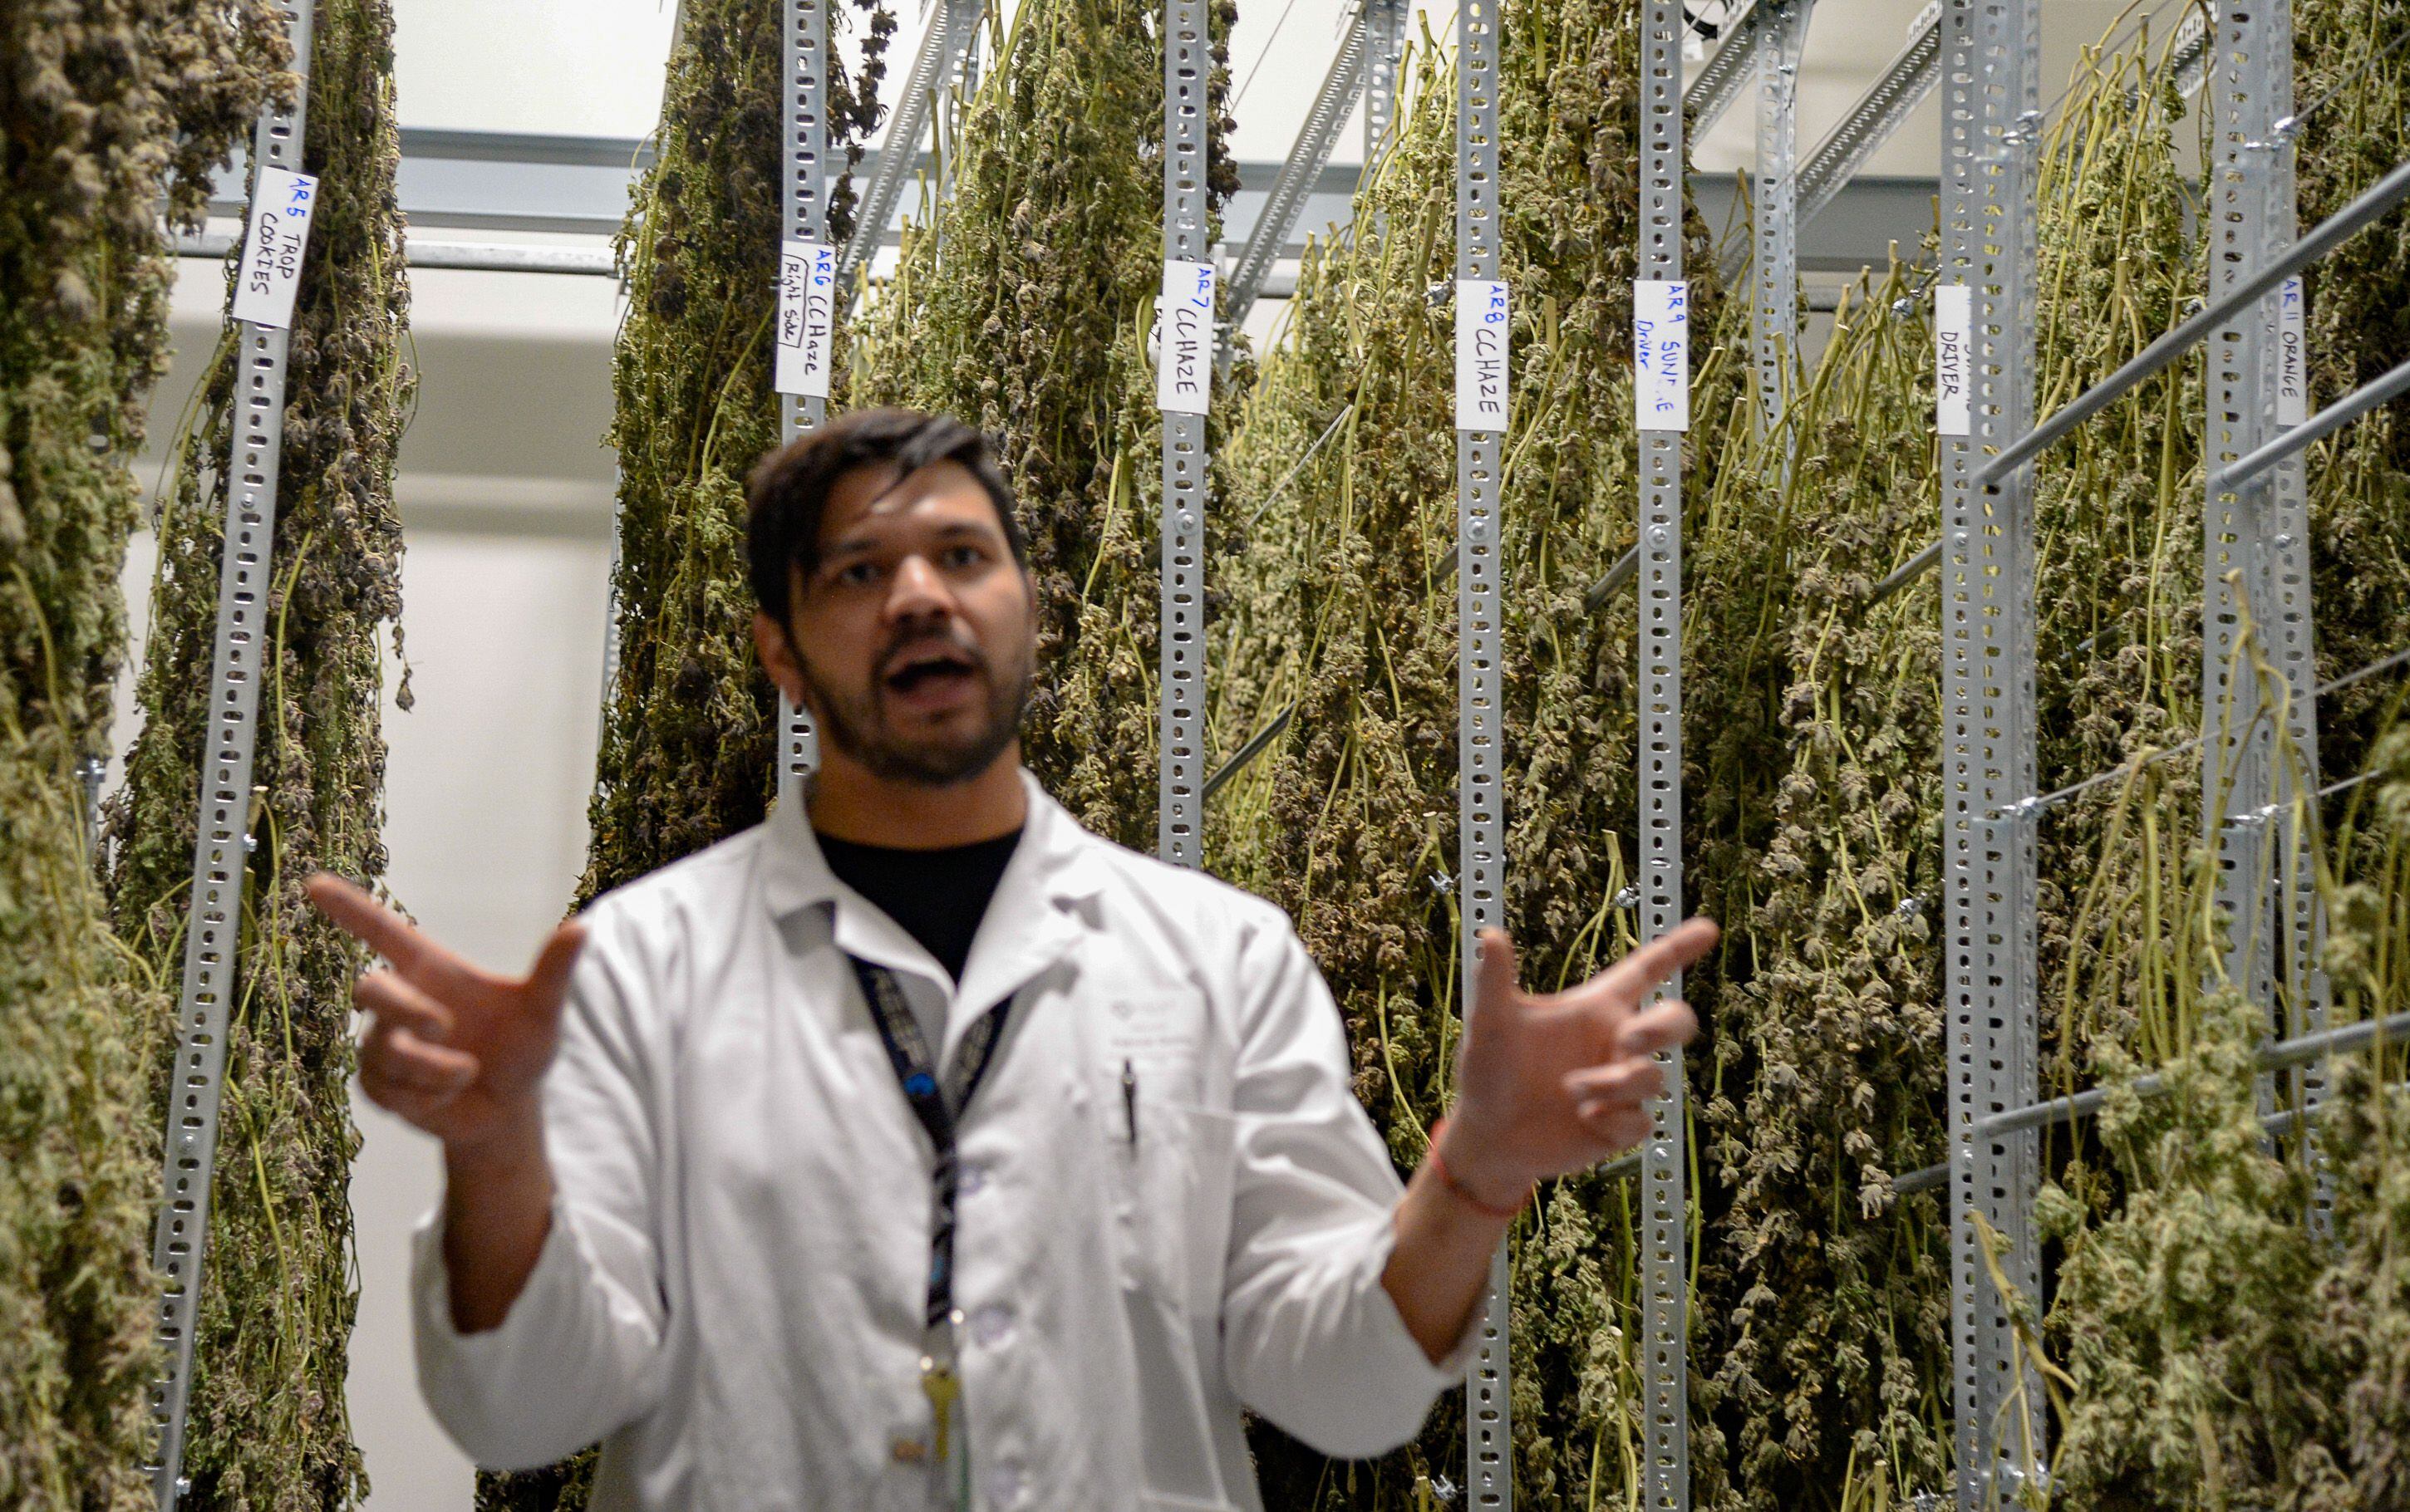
(1464, 1194)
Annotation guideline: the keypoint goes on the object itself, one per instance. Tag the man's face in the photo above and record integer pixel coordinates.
(914, 637)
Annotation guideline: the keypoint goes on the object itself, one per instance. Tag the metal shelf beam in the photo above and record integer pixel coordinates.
(1885, 106)
(1307, 157)
(1728, 75)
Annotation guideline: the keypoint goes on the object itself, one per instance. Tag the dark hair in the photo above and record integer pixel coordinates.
(790, 488)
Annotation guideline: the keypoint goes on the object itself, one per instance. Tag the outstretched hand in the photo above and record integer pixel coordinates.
(457, 1051)
(1553, 1083)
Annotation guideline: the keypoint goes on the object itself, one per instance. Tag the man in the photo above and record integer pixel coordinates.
(917, 1148)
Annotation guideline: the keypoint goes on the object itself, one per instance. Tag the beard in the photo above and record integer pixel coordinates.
(856, 723)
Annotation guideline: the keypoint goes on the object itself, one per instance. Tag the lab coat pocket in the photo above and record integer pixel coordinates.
(1167, 1161)
(1166, 1184)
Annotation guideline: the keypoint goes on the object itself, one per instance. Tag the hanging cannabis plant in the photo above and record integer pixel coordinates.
(267, 1423)
(2218, 1351)
(1340, 633)
(1023, 305)
(111, 105)
(687, 722)
(2352, 78)
(1831, 1345)
(2191, 1379)
(1834, 1337)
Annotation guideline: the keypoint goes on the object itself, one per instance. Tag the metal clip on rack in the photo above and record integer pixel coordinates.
(221, 846)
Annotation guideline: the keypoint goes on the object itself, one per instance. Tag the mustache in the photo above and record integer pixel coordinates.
(907, 646)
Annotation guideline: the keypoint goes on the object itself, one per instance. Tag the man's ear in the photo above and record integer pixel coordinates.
(777, 657)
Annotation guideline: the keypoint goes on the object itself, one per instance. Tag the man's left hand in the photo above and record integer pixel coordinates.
(1553, 1083)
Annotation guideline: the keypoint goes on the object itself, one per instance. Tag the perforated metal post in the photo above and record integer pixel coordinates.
(2238, 753)
(1481, 838)
(804, 216)
(1181, 776)
(2261, 528)
(1384, 27)
(610, 626)
(220, 844)
(1991, 127)
(1777, 42)
(2290, 641)
(1665, 1209)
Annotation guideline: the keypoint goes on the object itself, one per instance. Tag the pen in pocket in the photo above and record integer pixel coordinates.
(1129, 1099)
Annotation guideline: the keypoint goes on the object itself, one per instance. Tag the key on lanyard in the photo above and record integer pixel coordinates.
(943, 1388)
(939, 1384)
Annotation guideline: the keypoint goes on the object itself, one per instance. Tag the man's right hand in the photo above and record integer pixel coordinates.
(457, 1051)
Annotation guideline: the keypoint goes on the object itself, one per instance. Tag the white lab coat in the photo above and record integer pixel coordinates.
(730, 1298)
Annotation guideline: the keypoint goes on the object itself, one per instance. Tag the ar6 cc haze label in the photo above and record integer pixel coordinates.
(807, 318)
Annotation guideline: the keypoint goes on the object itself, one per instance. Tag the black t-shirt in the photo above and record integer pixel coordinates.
(937, 896)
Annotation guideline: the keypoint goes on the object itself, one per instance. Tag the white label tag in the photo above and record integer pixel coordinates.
(2292, 355)
(1481, 350)
(280, 206)
(1183, 371)
(1953, 320)
(1661, 353)
(807, 318)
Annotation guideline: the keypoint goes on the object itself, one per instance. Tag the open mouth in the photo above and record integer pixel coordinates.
(929, 669)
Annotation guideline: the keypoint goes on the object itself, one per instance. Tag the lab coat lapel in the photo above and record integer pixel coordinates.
(1039, 912)
(796, 876)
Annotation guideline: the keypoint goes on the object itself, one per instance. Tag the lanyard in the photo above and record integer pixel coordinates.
(937, 1107)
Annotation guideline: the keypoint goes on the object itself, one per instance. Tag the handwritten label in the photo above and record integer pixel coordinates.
(1481, 343)
(807, 318)
(1661, 353)
(280, 206)
(1953, 323)
(2292, 355)
(1183, 371)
